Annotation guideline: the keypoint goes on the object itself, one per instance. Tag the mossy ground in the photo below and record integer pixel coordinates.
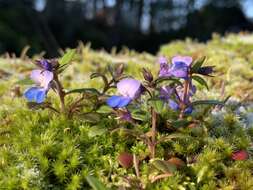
(41, 150)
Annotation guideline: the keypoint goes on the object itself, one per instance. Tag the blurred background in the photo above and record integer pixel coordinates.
(143, 25)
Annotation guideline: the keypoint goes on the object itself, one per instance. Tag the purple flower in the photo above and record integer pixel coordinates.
(187, 60)
(175, 96)
(166, 92)
(129, 89)
(164, 68)
(38, 93)
(179, 68)
(45, 64)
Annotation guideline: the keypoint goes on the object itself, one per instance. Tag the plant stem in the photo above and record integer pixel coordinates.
(183, 106)
(152, 145)
(61, 93)
(136, 165)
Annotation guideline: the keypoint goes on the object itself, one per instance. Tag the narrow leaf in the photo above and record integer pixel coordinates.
(200, 80)
(91, 117)
(197, 64)
(84, 90)
(157, 104)
(139, 115)
(164, 166)
(96, 75)
(26, 81)
(207, 102)
(162, 79)
(62, 68)
(201, 174)
(67, 57)
(178, 123)
(104, 109)
(96, 131)
(95, 183)
(172, 136)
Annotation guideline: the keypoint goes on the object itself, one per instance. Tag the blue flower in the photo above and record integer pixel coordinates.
(179, 68)
(35, 94)
(129, 89)
(38, 93)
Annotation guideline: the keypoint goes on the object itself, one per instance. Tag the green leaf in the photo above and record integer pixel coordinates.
(26, 81)
(96, 131)
(139, 115)
(157, 104)
(96, 75)
(128, 132)
(202, 173)
(200, 80)
(84, 90)
(62, 68)
(162, 79)
(207, 102)
(105, 109)
(95, 183)
(197, 64)
(178, 123)
(164, 166)
(67, 57)
(91, 117)
(173, 136)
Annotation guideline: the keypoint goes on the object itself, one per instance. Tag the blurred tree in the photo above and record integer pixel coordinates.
(139, 24)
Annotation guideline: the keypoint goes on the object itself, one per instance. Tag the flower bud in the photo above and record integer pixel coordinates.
(206, 70)
(147, 75)
(119, 69)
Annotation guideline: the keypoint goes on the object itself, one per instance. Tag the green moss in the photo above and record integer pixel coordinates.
(40, 150)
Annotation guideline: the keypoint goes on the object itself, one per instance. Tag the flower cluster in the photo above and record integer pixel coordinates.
(178, 97)
(180, 68)
(176, 94)
(156, 110)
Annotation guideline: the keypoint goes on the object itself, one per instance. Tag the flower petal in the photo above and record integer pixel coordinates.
(35, 94)
(179, 69)
(173, 105)
(118, 101)
(185, 59)
(45, 64)
(166, 92)
(41, 95)
(31, 93)
(188, 110)
(124, 101)
(42, 77)
(164, 68)
(36, 75)
(129, 87)
(113, 101)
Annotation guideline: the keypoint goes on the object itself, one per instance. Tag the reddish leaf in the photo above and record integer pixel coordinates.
(240, 155)
(125, 160)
